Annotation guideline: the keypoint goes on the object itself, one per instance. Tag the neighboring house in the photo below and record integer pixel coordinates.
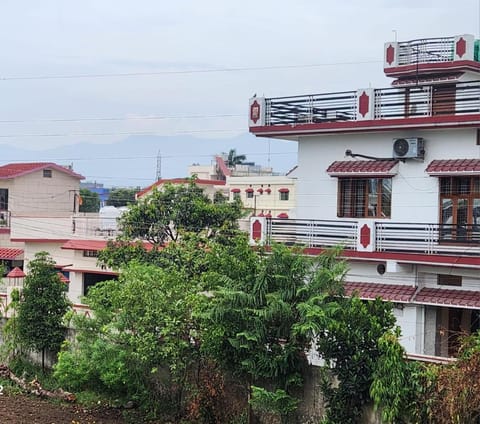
(393, 175)
(209, 187)
(39, 204)
(261, 191)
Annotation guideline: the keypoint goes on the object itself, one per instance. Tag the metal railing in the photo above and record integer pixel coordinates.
(389, 103)
(424, 238)
(426, 50)
(99, 227)
(313, 233)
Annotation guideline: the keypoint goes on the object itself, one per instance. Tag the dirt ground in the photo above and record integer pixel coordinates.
(20, 409)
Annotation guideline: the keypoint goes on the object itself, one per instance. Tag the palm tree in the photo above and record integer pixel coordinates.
(234, 159)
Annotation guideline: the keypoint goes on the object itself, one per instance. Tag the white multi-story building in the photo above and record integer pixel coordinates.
(393, 175)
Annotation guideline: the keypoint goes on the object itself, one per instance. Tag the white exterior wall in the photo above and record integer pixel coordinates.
(415, 196)
(34, 195)
(266, 202)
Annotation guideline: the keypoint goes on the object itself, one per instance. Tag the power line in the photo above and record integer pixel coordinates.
(132, 118)
(183, 72)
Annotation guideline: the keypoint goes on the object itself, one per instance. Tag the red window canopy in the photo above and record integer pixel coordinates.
(249, 190)
(454, 167)
(260, 190)
(268, 190)
(282, 215)
(283, 190)
(362, 168)
(268, 215)
(235, 190)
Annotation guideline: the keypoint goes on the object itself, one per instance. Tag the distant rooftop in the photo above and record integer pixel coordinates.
(13, 170)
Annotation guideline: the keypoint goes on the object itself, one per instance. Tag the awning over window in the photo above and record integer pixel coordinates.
(249, 190)
(283, 190)
(282, 215)
(452, 298)
(391, 292)
(454, 167)
(260, 190)
(363, 168)
(235, 190)
(268, 190)
(10, 253)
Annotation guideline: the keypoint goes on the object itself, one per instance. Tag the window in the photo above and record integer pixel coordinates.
(90, 253)
(249, 194)
(449, 280)
(3, 199)
(364, 197)
(284, 195)
(236, 195)
(47, 173)
(460, 208)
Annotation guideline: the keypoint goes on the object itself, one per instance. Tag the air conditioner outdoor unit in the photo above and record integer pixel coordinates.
(407, 148)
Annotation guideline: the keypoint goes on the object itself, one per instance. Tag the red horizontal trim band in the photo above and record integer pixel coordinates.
(404, 257)
(4, 230)
(457, 65)
(371, 125)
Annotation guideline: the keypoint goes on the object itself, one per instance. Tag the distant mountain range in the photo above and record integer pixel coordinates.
(133, 161)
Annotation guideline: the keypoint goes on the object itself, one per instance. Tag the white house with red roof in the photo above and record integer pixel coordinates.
(393, 175)
(39, 205)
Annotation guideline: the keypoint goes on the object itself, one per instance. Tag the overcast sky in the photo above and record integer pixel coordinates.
(194, 62)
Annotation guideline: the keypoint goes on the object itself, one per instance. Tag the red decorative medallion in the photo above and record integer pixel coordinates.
(390, 54)
(365, 236)
(461, 47)
(363, 104)
(255, 112)
(257, 230)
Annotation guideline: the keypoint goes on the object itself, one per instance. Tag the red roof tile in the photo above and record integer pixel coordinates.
(362, 168)
(10, 252)
(92, 245)
(13, 170)
(390, 292)
(16, 273)
(454, 166)
(449, 297)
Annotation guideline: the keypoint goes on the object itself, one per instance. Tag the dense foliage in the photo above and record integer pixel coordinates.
(121, 197)
(41, 307)
(90, 201)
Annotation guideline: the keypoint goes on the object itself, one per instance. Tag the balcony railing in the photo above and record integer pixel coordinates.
(388, 103)
(425, 238)
(426, 50)
(94, 226)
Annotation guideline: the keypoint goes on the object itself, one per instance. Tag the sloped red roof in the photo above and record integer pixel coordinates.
(16, 273)
(198, 181)
(449, 297)
(63, 279)
(85, 244)
(10, 252)
(13, 170)
(362, 168)
(97, 245)
(390, 292)
(454, 166)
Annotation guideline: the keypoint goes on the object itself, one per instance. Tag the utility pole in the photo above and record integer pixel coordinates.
(159, 166)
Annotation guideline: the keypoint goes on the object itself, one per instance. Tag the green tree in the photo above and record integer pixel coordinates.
(139, 342)
(253, 322)
(43, 304)
(90, 201)
(346, 331)
(121, 197)
(234, 159)
(164, 214)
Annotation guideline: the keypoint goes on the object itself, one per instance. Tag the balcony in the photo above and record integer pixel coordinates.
(416, 106)
(372, 239)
